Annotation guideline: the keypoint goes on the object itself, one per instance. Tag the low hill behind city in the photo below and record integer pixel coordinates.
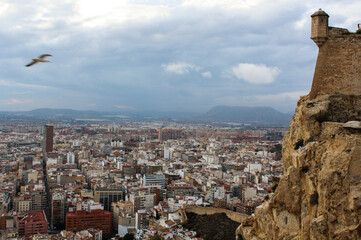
(246, 115)
(235, 114)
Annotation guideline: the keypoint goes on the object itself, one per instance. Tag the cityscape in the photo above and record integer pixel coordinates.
(102, 181)
(180, 120)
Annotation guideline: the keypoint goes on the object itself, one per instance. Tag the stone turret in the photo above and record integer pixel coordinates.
(319, 27)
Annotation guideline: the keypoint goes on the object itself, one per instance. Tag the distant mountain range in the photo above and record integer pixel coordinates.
(247, 115)
(258, 115)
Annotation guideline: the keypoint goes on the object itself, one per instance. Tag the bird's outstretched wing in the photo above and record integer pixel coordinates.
(32, 63)
(45, 55)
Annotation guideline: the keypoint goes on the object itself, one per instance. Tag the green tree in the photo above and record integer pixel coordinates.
(129, 236)
(156, 237)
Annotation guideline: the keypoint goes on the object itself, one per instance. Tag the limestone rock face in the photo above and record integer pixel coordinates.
(319, 196)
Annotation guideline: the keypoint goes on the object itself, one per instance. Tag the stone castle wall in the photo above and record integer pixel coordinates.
(234, 216)
(338, 67)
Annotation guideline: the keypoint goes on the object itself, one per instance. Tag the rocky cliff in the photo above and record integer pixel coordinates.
(319, 196)
(207, 226)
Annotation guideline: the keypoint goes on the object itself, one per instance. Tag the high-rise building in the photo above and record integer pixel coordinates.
(48, 137)
(38, 198)
(58, 210)
(107, 195)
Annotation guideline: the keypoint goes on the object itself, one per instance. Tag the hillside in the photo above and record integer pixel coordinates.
(246, 115)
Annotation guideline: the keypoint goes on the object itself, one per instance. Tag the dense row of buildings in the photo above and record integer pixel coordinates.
(101, 181)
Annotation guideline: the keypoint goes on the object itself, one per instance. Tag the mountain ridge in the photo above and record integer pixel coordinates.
(237, 114)
(247, 114)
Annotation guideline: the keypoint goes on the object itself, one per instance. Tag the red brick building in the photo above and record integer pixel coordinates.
(32, 223)
(97, 219)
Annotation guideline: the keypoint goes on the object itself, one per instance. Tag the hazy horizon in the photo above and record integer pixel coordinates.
(144, 110)
(184, 56)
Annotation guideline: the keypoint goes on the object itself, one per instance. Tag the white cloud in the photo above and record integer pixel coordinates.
(180, 67)
(99, 14)
(238, 4)
(4, 8)
(207, 74)
(255, 73)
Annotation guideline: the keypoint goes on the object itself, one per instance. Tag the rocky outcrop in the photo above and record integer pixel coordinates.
(319, 196)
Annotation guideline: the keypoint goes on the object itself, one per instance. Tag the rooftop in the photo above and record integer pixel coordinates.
(32, 216)
(320, 12)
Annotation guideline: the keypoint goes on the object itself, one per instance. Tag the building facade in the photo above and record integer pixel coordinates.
(32, 223)
(108, 195)
(82, 220)
(153, 179)
(58, 210)
(121, 208)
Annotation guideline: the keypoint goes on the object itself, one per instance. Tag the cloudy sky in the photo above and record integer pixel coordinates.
(178, 55)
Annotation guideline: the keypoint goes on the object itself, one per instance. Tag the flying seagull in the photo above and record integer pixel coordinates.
(41, 58)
